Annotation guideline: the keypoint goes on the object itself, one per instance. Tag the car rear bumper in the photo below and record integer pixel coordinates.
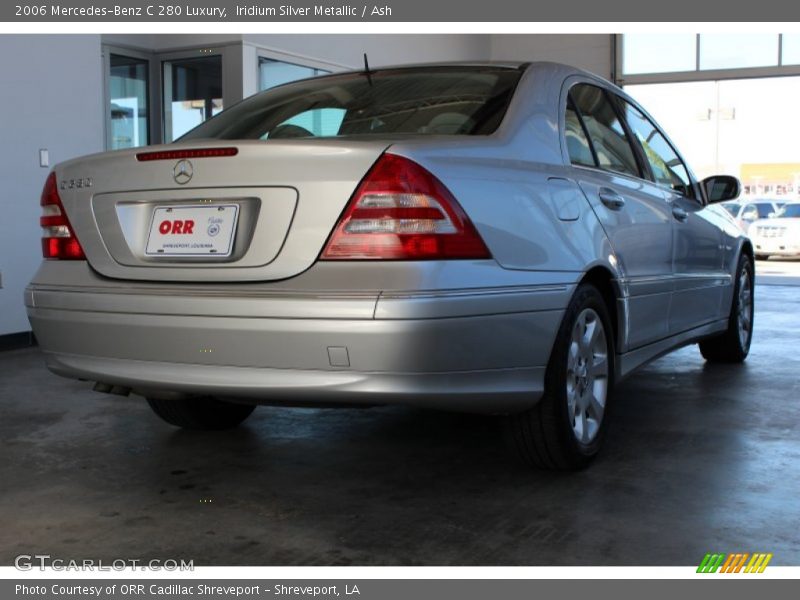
(482, 349)
(776, 247)
(490, 391)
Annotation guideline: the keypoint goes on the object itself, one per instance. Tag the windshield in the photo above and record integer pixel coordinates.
(789, 211)
(420, 101)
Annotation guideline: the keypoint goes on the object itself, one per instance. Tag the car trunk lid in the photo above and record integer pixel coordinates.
(260, 211)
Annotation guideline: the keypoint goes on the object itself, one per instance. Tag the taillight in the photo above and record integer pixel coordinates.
(400, 211)
(58, 238)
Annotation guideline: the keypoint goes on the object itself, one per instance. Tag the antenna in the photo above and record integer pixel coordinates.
(366, 70)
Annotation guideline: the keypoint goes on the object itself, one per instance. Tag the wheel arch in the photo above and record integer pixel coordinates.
(605, 281)
(747, 248)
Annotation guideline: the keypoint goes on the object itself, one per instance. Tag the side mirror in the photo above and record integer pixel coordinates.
(721, 187)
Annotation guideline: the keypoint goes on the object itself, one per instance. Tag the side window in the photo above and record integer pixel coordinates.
(750, 213)
(607, 135)
(580, 152)
(668, 169)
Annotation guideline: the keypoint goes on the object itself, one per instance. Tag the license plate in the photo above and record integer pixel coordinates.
(197, 230)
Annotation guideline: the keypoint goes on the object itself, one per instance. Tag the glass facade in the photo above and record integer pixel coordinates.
(659, 53)
(275, 72)
(736, 126)
(790, 49)
(736, 51)
(647, 54)
(129, 119)
(192, 93)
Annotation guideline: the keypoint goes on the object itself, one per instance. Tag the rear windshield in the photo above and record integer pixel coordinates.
(424, 101)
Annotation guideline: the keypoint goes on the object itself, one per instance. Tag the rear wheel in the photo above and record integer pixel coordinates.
(733, 345)
(200, 413)
(565, 429)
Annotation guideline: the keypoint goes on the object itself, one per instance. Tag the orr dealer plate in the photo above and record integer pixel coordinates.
(196, 230)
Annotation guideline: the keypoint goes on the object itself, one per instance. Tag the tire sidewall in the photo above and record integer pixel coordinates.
(745, 263)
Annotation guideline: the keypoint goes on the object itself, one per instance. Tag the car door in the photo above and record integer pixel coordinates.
(633, 211)
(698, 254)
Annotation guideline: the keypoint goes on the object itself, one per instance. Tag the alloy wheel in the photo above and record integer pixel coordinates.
(745, 308)
(587, 376)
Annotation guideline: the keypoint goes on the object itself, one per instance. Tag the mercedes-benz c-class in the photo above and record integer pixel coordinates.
(511, 239)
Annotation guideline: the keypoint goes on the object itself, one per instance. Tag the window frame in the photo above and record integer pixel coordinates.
(570, 105)
(635, 150)
(616, 98)
(693, 184)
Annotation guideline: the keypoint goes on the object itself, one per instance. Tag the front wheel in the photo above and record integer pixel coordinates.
(762, 256)
(565, 429)
(200, 413)
(733, 345)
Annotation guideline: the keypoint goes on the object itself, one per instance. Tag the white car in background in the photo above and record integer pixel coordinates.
(748, 211)
(779, 235)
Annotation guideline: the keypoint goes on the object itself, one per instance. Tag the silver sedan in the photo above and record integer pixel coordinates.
(510, 239)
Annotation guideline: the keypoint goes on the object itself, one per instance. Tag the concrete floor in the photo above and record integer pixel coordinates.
(698, 459)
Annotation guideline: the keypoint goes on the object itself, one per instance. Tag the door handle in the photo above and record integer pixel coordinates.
(611, 199)
(680, 214)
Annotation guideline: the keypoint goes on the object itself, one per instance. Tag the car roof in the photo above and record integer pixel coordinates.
(542, 66)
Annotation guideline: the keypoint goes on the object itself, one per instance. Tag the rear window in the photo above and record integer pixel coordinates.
(425, 101)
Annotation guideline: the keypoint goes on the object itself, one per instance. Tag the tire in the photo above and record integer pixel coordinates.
(762, 256)
(201, 413)
(556, 434)
(733, 345)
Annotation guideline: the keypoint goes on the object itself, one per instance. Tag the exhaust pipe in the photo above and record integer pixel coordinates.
(107, 388)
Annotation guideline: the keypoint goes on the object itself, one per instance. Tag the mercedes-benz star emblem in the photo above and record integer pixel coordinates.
(182, 172)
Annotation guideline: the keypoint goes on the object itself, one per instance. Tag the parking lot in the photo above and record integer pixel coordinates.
(778, 271)
(699, 458)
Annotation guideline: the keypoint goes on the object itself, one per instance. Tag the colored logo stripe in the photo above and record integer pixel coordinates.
(710, 563)
(758, 563)
(733, 563)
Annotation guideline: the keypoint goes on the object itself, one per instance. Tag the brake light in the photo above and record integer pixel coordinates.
(189, 153)
(58, 238)
(401, 211)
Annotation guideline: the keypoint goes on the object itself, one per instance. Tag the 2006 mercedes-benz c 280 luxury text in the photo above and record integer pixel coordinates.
(502, 238)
